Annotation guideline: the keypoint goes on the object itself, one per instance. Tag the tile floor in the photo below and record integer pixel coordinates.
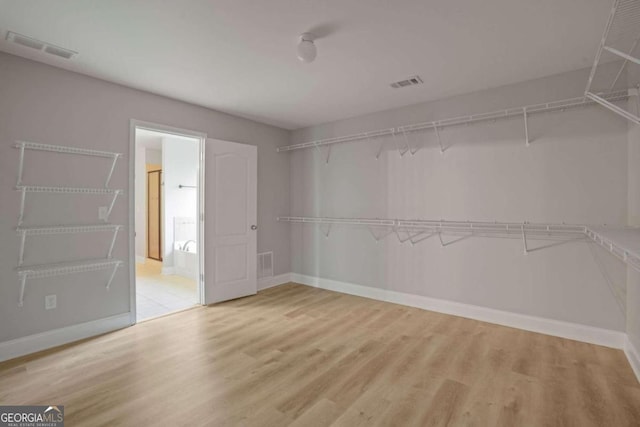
(158, 294)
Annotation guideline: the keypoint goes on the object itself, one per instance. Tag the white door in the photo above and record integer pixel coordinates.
(230, 236)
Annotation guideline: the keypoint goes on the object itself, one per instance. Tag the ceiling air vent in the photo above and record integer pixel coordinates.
(40, 45)
(411, 81)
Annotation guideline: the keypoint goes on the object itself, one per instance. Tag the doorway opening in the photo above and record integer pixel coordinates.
(166, 221)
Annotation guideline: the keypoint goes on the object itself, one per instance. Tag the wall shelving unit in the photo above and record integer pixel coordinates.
(60, 269)
(24, 189)
(25, 145)
(78, 266)
(23, 232)
(623, 242)
(401, 132)
(620, 41)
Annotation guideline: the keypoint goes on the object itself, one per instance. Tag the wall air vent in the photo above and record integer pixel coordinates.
(40, 45)
(265, 265)
(411, 81)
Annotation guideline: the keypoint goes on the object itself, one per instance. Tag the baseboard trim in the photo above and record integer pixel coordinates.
(270, 282)
(574, 331)
(45, 340)
(633, 356)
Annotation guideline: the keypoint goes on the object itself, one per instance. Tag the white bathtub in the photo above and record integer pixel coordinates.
(185, 261)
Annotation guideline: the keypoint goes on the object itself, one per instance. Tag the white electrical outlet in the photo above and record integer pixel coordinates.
(103, 212)
(50, 302)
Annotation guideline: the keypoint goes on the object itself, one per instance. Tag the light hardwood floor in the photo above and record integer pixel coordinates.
(299, 356)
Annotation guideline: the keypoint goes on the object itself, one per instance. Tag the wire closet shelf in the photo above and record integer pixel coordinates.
(620, 41)
(60, 269)
(623, 242)
(437, 125)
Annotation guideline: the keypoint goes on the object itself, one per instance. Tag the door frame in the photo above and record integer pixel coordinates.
(202, 137)
(159, 172)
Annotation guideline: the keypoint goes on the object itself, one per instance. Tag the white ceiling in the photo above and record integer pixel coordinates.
(239, 56)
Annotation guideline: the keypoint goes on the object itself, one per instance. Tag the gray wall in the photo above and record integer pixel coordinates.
(44, 104)
(575, 171)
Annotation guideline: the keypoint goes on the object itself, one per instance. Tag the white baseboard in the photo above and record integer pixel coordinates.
(270, 282)
(574, 331)
(633, 356)
(42, 341)
(140, 259)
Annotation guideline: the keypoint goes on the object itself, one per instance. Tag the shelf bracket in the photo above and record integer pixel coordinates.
(406, 140)
(624, 64)
(415, 242)
(622, 55)
(23, 196)
(410, 236)
(113, 274)
(113, 242)
(524, 240)
(113, 167)
(376, 237)
(435, 128)
(443, 243)
(526, 127)
(113, 202)
(621, 111)
(21, 165)
(326, 233)
(23, 237)
(380, 149)
(23, 283)
(400, 239)
(395, 141)
(326, 158)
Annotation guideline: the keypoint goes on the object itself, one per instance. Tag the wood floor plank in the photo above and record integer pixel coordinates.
(301, 356)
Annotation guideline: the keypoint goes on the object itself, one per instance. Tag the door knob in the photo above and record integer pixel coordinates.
(254, 227)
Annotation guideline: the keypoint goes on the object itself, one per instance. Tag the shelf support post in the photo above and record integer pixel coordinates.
(21, 164)
(526, 127)
(23, 236)
(23, 196)
(439, 140)
(380, 149)
(23, 282)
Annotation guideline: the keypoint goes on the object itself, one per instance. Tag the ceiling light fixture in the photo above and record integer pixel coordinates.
(306, 48)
